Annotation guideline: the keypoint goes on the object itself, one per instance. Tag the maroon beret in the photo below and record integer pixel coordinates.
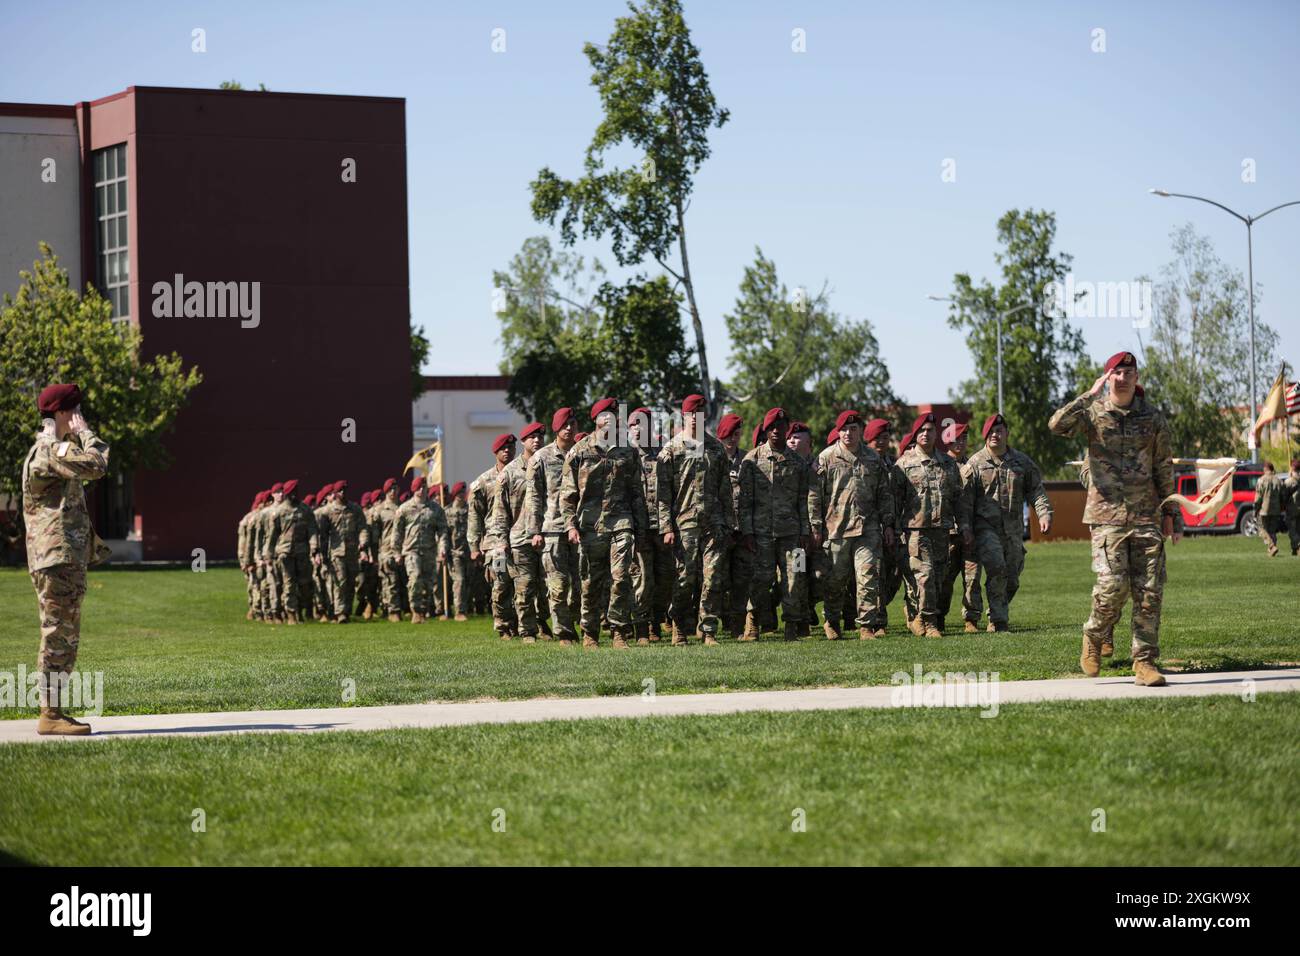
(994, 419)
(536, 428)
(757, 436)
(290, 486)
(832, 437)
(501, 441)
(309, 500)
(773, 416)
(339, 485)
(847, 417)
(324, 493)
(365, 499)
(561, 418)
(958, 433)
(58, 398)
(604, 405)
(797, 427)
(640, 411)
(417, 483)
(376, 494)
(1120, 358)
(457, 488)
(730, 422)
(259, 498)
(926, 419)
(389, 483)
(277, 487)
(692, 403)
(874, 428)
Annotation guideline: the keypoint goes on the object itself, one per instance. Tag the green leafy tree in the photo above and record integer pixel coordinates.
(1196, 360)
(657, 104)
(647, 360)
(49, 333)
(236, 85)
(794, 352)
(419, 355)
(1041, 351)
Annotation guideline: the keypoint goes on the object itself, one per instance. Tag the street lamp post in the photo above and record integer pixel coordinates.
(1250, 284)
(1001, 315)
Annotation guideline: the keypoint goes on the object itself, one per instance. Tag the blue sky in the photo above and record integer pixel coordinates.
(832, 159)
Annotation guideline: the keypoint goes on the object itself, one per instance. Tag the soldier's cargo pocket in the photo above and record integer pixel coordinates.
(1100, 559)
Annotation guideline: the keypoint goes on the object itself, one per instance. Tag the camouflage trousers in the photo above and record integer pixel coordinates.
(968, 568)
(1269, 526)
(289, 571)
(1293, 528)
(699, 593)
(459, 584)
(421, 578)
(59, 592)
(893, 563)
(368, 586)
(269, 591)
(496, 571)
(254, 591)
(927, 562)
(605, 560)
(653, 575)
(525, 568)
(563, 589)
(1129, 563)
(392, 582)
(857, 560)
(1001, 555)
(738, 580)
(480, 589)
(780, 573)
(345, 572)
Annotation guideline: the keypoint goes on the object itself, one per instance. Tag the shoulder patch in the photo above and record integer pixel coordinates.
(62, 449)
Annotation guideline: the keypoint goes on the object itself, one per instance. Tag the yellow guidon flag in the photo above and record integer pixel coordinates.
(1274, 406)
(1213, 486)
(429, 459)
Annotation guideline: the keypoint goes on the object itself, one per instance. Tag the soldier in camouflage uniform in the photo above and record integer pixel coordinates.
(738, 552)
(799, 441)
(1000, 481)
(272, 610)
(851, 509)
(653, 573)
(60, 542)
(344, 535)
(484, 545)
(930, 500)
(960, 563)
(419, 534)
(1131, 476)
(368, 586)
(458, 528)
(287, 549)
(696, 519)
(322, 570)
(392, 582)
(878, 435)
(247, 561)
(1292, 484)
(1268, 507)
(604, 511)
(559, 556)
(507, 523)
(778, 502)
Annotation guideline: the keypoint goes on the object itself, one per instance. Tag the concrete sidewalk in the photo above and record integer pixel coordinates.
(528, 711)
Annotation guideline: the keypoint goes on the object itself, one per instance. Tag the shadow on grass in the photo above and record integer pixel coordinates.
(214, 729)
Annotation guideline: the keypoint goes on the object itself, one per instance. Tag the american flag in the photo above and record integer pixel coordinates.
(1293, 398)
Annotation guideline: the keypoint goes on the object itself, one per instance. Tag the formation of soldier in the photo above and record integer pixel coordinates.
(1274, 498)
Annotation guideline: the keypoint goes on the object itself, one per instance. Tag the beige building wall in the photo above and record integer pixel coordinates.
(32, 150)
(471, 410)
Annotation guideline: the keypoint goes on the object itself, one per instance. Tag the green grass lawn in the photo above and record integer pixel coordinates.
(174, 640)
(1208, 781)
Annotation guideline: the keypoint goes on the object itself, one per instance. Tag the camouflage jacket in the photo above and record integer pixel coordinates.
(481, 490)
(777, 482)
(1268, 495)
(649, 460)
(542, 504)
(289, 530)
(1292, 496)
(382, 516)
(601, 489)
(850, 493)
(999, 489)
(342, 530)
(1130, 465)
(693, 486)
(243, 549)
(928, 492)
(54, 501)
(741, 497)
(420, 526)
(507, 517)
(457, 514)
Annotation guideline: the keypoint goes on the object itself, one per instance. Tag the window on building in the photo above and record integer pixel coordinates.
(112, 272)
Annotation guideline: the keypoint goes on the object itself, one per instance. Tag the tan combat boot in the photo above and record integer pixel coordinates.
(915, 626)
(750, 631)
(1090, 657)
(368, 614)
(932, 630)
(620, 639)
(590, 640)
(866, 634)
(831, 631)
(417, 618)
(881, 632)
(53, 722)
(1146, 674)
(529, 639)
(679, 639)
(791, 631)
(643, 635)
(1107, 647)
(970, 628)
(395, 618)
(249, 616)
(461, 617)
(707, 638)
(341, 619)
(656, 633)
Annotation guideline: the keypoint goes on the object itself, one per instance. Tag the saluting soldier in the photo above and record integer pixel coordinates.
(60, 542)
(1001, 479)
(1131, 476)
(508, 524)
(483, 544)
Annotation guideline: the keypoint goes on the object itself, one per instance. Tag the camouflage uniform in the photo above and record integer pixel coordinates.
(963, 564)
(998, 490)
(368, 589)
(779, 518)
(894, 561)
(342, 536)
(559, 559)
(392, 573)
(507, 522)
(693, 486)
(1268, 508)
(419, 534)
(458, 526)
(245, 557)
(495, 566)
(653, 573)
(849, 504)
(930, 500)
(267, 585)
(322, 573)
(1131, 474)
(286, 548)
(738, 560)
(601, 497)
(1292, 485)
(60, 543)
